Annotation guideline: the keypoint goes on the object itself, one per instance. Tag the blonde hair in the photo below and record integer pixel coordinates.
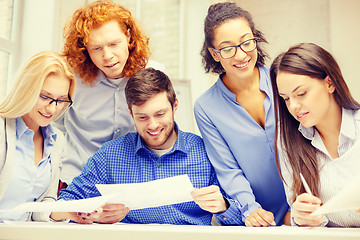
(26, 90)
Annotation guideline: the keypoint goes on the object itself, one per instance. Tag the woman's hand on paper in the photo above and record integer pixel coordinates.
(79, 217)
(85, 218)
(260, 218)
(107, 213)
(303, 206)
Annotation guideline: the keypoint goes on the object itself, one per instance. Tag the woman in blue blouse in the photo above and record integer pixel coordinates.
(236, 115)
(30, 149)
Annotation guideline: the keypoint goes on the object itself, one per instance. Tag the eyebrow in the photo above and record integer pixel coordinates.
(101, 44)
(229, 41)
(161, 110)
(292, 90)
(50, 94)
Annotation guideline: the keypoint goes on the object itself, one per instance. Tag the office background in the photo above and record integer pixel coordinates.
(175, 28)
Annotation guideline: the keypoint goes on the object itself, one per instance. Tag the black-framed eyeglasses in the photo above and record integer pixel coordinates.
(58, 102)
(230, 51)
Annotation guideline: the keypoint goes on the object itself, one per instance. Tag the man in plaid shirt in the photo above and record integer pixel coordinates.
(159, 149)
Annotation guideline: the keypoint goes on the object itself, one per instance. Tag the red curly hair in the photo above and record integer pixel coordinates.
(77, 32)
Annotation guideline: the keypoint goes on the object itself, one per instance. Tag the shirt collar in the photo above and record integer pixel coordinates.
(263, 84)
(179, 143)
(100, 77)
(347, 124)
(347, 127)
(21, 127)
(308, 133)
(48, 131)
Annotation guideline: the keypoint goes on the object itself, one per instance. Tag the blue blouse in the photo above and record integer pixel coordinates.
(29, 181)
(241, 151)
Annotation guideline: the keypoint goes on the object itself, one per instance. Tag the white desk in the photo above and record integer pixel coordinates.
(70, 231)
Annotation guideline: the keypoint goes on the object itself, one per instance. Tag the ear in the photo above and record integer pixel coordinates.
(214, 54)
(176, 104)
(329, 84)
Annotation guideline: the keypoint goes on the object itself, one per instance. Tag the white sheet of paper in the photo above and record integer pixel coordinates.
(81, 205)
(347, 199)
(155, 193)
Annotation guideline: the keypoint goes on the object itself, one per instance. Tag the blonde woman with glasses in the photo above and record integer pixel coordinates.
(30, 148)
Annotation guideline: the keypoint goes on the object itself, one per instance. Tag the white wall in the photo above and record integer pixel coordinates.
(37, 28)
(287, 22)
(43, 23)
(345, 40)
(195, 13)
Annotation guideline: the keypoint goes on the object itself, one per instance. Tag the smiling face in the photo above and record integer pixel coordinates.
(154, 121)
(55, 86)
(232, 33)
(108, 48)
(308, 99)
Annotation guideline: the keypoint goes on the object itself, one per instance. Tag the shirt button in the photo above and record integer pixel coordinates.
(158, 165)
(164, 214)
(118, 110)
(117, 130)
(223, 217)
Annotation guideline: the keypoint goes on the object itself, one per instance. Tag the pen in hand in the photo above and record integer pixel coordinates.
(307, 189)
(306, 186)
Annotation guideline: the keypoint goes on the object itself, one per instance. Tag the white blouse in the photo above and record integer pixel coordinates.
(335, 174)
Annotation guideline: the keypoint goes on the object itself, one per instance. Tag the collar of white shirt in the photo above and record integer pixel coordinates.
(347, 127)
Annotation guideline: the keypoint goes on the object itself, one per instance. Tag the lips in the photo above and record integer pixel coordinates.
(154, 133)
(242, 65)
(111, 65)
(301, 116)
(46, 115)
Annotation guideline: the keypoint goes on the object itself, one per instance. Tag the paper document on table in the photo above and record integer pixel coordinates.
(155, 193)
(81, 205)
(347, 199)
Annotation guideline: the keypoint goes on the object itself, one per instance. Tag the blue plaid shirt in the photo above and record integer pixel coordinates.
(128, 160)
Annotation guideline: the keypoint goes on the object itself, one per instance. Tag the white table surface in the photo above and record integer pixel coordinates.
(70, 231)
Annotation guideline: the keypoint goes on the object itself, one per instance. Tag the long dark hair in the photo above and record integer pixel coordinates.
(310, 60)
(218, 14)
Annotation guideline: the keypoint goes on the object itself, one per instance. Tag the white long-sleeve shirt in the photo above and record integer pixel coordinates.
(335, 174)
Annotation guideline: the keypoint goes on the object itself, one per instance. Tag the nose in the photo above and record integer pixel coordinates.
(51, 108)
(107, 53)
(240, 54)
(153, 124)
(293, 106)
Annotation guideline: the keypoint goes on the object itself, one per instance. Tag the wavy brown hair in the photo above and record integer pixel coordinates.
(218, 14)
(311, 60)
(77, 32)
